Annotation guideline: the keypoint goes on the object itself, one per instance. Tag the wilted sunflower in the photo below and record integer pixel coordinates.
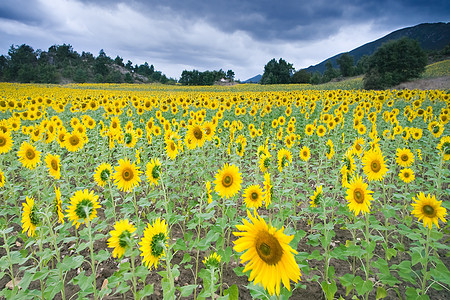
(373, 165)
(305, 153)
(6, 142)
(406, 175)
(358, 196)
(153, 242)
(126, 175)
(267, 251)
(195, 133)
(404, 157)
(268, 189)
(28, 155)
(58, 205)
(121, 237)
(284, 157)
(253, 196)
(228, 181)
(317, 197)
(30, 218)
(53, 165)
(83, 205)
(428, 209)
(153, 171)
(102, 174)
(73, 141)
(444, 147)
(329, 149)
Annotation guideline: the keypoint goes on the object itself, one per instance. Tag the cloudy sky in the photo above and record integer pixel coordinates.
(241, 35)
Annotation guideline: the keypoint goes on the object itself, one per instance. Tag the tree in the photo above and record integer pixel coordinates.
(277, 72)
(230, 75)
(345, 62)
(301, 76)
(330, 72)
(395, 62)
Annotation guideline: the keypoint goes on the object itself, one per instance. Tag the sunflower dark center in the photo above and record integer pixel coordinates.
(83, 206)
(30, 154)
(124, 237)
(375, 166)
(155, 172)
(172, 146)
(428, 210)
(74, 140)
(435, 129)
(358, 147)
(104, 174)
(227, 181)
(268, 248)
(198, 133)
(404, 157)
(157, 248)
(54, 164)
(127, 174)
(406, 174)
(208, 131)
(358, 195)
(2, 141)
(254, 196)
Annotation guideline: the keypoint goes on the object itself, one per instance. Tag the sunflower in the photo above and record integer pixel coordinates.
(2, 179)
(305, 153)
(102, 174)
(171, 149)
(212, 261)
(317, 197)
(130, 138)
(121, 237)
(358, 196)
(30, 218)
(28, 155)
(73, 141)
(268, 189)
(208, 191)
(406, 175)
(404, 157)
(83, 205)
(58, 205)
(53, 165)
(153, 171)
(321, 130)
(349, 162)
(6, 142)
(284, 158)
(358, 146)
(267, 251)
(444, 147)
(373, 165)
(195, 133)
(264, 161)
(253, 196)
(153, 243)
(126, 175)
(428, 209)
(228, 181)
(330, 149)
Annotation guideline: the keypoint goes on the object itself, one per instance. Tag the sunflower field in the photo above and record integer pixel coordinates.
(244, 192)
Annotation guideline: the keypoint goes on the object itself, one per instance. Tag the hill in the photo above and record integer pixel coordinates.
(431, 36)
(254, 79)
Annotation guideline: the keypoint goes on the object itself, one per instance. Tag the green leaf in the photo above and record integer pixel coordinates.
(347, 282)
(381, 293)
(232, 292)
(362, 286)
(315, 255)
(329, 289)
(388, 279)
(186, 258)
(381, 265)
(186, 290)
(146, 291)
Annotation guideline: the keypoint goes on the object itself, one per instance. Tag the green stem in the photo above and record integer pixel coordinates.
(11, 269)
(425, 264)
(58, 258)
(212, 284)
(133, 270)
(91, 248)
(169, 270)
(367, 252)
(112, 200)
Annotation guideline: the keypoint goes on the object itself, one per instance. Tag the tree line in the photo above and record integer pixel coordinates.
(62, 64)
(392, 63)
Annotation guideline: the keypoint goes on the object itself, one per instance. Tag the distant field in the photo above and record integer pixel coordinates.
(438, 69)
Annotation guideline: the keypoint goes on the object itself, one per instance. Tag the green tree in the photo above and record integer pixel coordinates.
(277, 72)
(395, 62)
(301, 76)
(230, 75)
(330, 72)
(345, 62)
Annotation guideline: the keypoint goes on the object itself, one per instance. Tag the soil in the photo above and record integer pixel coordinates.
(438, 83)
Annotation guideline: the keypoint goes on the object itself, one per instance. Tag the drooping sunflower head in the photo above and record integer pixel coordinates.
(30, 217)
(126, 175)
(53, 165)
(153, 171)
(58, 205)
(102, 174)
(317, 197)
(253, 196)
(404, 157)
(329, 149)
(83, 205)
(358, 196)
(153, 243)
(428, 209)
(228, 181)
(268, 189)
(374, 165)
(264, 161)
(28, 155)
(267, 251)
(121, 237)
